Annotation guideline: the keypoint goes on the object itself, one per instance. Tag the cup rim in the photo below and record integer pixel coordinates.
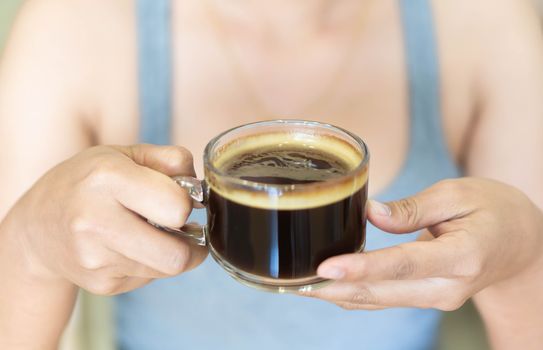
(281, 188)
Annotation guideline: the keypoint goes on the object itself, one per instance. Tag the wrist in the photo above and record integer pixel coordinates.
(527, 267)
(514, 305)
(17, 254)
(530, 278)
(30, 295)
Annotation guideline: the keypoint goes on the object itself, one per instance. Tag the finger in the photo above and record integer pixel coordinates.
(123, 266)
(346, 293)
(99, 260)
(403, 262)
(169, 160)
(132, 268)
(432, 293)
(432, 206)
(137, 240)
(152, 195)
(147, 191)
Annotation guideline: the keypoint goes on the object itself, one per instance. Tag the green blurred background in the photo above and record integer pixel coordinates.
(7, 10)
(91, 327)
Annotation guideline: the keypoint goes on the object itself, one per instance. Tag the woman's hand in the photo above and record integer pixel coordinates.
(85, 220)
(479, 233)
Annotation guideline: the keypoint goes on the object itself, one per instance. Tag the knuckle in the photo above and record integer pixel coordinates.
(184, 155)
(83, 226)
(404, 269)
(361, 268)
(448, 185)
(453, 188)
(80, 225)
(84, 244)
(102, 173)
(178, 155)
(408, 209)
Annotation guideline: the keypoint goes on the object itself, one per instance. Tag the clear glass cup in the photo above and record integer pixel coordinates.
(273, 236)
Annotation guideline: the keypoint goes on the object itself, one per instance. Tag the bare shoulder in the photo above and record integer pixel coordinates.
(67, 66)
(485, 46)
(84, 48)
(78, 27)
(507, 43)
(485, 24)
(487, 11)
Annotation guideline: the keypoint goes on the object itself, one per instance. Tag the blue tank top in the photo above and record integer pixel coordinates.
(205, 308)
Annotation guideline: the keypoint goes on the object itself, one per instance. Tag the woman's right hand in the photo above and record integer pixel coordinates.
(85, 220)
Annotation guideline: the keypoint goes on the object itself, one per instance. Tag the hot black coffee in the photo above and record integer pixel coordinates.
(311, 211)
(286, 166)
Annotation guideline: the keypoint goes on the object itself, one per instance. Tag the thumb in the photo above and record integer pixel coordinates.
(425, 209)
(169, 160)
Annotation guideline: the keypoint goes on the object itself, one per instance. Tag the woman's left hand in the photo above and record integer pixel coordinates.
(477, 233)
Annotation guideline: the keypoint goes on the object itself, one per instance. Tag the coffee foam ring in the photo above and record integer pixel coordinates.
(295, 197)
(289, 197)
(327, 143)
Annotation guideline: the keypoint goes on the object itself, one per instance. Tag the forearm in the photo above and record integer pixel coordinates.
(33, 309)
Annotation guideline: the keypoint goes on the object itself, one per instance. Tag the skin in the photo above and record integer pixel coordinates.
(470, 247)
(68, 79)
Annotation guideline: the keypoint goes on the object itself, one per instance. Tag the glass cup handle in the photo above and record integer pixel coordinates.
(193, 232)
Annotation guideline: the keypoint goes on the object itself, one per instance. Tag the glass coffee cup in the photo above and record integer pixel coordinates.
(281, 196)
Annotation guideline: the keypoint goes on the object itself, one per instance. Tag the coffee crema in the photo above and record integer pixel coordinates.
(285, 161)
(289, 201)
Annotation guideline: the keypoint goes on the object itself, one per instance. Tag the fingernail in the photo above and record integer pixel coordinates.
(380, 208)
(332, 272)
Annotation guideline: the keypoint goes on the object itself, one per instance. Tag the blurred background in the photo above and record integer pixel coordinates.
(92, 324)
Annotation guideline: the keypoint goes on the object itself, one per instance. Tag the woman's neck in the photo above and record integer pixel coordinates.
(290, 20)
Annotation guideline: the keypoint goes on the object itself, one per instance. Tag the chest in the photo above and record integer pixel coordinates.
(359, 84)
